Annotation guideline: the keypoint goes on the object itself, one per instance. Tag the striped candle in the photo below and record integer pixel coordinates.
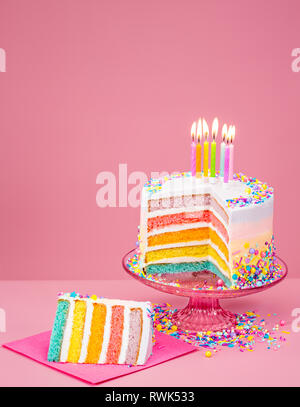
(222, 149)
(231, 147)
(198, 149)
(226, 161)
(193, 150)
(215, 127)
(206, 148)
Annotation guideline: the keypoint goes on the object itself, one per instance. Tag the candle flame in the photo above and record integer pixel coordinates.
(229, 135)
(193, 131)
(232, 134)
(199, 131)
(224, 132)
(215, 127)
(205, 129)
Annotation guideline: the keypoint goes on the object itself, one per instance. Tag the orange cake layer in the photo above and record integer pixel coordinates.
(96, 336)
(184, 218)
(189, 235)
(188, 251)
(77, 331)
(116, 332)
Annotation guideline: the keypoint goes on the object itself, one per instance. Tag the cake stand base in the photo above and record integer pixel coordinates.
(203, 314)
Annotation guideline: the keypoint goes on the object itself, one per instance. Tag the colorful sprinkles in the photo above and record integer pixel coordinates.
(258, 191)
(249, 330)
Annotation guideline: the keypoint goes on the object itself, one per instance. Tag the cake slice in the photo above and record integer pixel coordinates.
(101, 331)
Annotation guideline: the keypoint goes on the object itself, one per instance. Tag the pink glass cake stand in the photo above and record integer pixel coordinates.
(203, 311)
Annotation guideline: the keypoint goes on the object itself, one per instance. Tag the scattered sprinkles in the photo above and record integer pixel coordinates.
(250, 329)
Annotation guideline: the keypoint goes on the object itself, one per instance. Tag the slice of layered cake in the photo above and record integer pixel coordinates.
(101, 331)
(193, 226)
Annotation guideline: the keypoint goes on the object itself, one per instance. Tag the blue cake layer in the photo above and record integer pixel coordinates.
(172, 268)
(58, 330)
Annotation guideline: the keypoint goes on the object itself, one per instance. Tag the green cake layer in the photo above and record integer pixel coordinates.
(172, 268)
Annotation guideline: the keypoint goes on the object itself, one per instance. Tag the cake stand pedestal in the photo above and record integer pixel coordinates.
(203, 312)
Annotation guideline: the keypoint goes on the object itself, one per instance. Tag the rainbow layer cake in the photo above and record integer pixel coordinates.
(190, 226)
(101, 331)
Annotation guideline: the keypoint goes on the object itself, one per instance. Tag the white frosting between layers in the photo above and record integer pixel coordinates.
(106, 334)
(146, 340)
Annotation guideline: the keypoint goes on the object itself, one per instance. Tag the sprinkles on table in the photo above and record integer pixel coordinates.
(250, 329)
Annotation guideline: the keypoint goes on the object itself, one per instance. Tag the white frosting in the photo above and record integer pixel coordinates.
(125, 335)
(146, 340)
(106, 335)
(191, 185)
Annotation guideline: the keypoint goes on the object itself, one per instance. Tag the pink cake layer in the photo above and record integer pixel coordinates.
(188, 201)
(185, 218)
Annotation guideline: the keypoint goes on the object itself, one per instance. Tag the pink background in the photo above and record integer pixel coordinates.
(91, 84)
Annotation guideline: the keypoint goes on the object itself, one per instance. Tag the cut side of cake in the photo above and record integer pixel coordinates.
(188, 233)
(192, 226)
(101, 331)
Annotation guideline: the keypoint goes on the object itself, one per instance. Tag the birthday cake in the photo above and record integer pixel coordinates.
(194, 225)
(101, 331)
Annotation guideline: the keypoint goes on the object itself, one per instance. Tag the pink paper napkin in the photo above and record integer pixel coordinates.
(36, 348)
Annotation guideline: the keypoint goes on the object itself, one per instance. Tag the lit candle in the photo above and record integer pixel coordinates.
(222, 152)
(193, 150)
(227, 157)
(232, 136)
(206, 148)
(215, 127)
(198, 149)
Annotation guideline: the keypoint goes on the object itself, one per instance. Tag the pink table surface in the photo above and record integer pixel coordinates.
(30, 308)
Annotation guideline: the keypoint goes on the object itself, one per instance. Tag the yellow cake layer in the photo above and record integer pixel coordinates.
(77, 331)
(187, 251)
(189, 235)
